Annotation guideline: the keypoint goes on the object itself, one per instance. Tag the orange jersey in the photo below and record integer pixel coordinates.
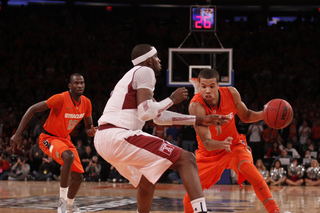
(225, 106)
(65, 113)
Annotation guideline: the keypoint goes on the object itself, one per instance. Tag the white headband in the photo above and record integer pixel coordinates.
(145, 56)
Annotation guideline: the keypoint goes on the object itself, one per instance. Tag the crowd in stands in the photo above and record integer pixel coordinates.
(41, 48)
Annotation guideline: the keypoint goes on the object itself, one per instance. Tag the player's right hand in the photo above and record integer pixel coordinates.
(179, 95)
(218, 145)
(227, 143)
(15, 140)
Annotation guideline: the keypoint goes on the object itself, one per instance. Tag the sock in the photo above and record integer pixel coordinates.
(259, 185)
(70, 201)
(64, 192)
(199, 205)
(271, 206)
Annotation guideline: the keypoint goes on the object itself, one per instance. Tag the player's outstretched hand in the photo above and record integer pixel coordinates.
(212, 120)
(179, 95)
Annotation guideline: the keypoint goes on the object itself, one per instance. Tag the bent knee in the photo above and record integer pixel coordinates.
(67, 156)
(187, 158)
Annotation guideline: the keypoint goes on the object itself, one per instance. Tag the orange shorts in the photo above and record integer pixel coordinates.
(55, 146)
(211, 167)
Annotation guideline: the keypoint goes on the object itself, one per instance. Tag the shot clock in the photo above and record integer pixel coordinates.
(203, 18)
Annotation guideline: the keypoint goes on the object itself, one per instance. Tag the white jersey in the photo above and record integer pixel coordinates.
(121, 108)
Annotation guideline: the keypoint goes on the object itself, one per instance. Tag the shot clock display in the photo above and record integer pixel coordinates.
(203, 18)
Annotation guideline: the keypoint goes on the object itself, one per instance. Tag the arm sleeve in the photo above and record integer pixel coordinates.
(55, 101)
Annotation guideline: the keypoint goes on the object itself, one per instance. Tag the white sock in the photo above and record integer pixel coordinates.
(199, 205)
(64, 192)
(70, 201)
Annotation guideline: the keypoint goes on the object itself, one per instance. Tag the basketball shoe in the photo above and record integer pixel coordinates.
(62, 208)
(74, 209)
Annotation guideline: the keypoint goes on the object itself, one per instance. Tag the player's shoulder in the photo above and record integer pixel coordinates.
(234, 92)
(84, 98)
(144, 70)
(231, 89)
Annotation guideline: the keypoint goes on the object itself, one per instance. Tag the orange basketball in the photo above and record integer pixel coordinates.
(278, 113)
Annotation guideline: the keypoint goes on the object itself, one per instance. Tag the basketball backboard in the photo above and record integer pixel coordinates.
(186, 63)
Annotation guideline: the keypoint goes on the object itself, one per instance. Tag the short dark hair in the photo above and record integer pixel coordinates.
(209, 73)
(139, 50)
(74, 74)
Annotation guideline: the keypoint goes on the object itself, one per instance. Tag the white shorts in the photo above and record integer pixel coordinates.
(135, 153)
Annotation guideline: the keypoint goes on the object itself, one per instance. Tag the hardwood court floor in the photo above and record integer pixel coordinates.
(36, 197)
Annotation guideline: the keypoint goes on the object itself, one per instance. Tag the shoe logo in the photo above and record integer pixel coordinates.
(262, 187)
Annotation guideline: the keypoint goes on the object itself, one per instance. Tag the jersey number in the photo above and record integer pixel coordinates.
(72, 124)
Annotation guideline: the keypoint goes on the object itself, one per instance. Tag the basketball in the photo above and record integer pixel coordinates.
(278, 113)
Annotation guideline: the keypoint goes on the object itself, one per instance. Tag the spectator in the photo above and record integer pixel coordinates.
(87, 156)
(25, 148)
(293, 128)
(294, 179)
(188, 138)
(284, 154)
(80, 148)
(175, 133)
(307, 154)
(304, 132)
(306, 145)
(93, 170)
(20, 170)
(263, 171)
(4, 167)
(280, 141)
(35, 156)
(315, 132)
(312, 176)
(255, 132)
(269, 135)
(295, 143)
(292, 151)
(277, 174)
(273, 151)
(46, 169)
(115, 176)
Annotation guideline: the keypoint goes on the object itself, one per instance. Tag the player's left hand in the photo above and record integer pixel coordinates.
(213, 120)
(93, 129)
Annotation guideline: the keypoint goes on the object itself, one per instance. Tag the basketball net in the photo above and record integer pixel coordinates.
(195, 83)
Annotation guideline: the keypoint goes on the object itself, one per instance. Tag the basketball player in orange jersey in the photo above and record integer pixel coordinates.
(67, 110)
(138, 156)
(221, 147)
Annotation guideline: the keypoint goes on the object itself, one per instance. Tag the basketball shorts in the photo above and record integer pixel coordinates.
(135, 153)
(211, 167)
(55, 146)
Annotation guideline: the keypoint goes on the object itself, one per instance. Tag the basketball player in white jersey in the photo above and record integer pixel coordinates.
(138, 156)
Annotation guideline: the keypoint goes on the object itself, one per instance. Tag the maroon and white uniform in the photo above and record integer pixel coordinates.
(120, 139)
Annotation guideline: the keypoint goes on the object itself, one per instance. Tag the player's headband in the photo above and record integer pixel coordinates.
(145, 56)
